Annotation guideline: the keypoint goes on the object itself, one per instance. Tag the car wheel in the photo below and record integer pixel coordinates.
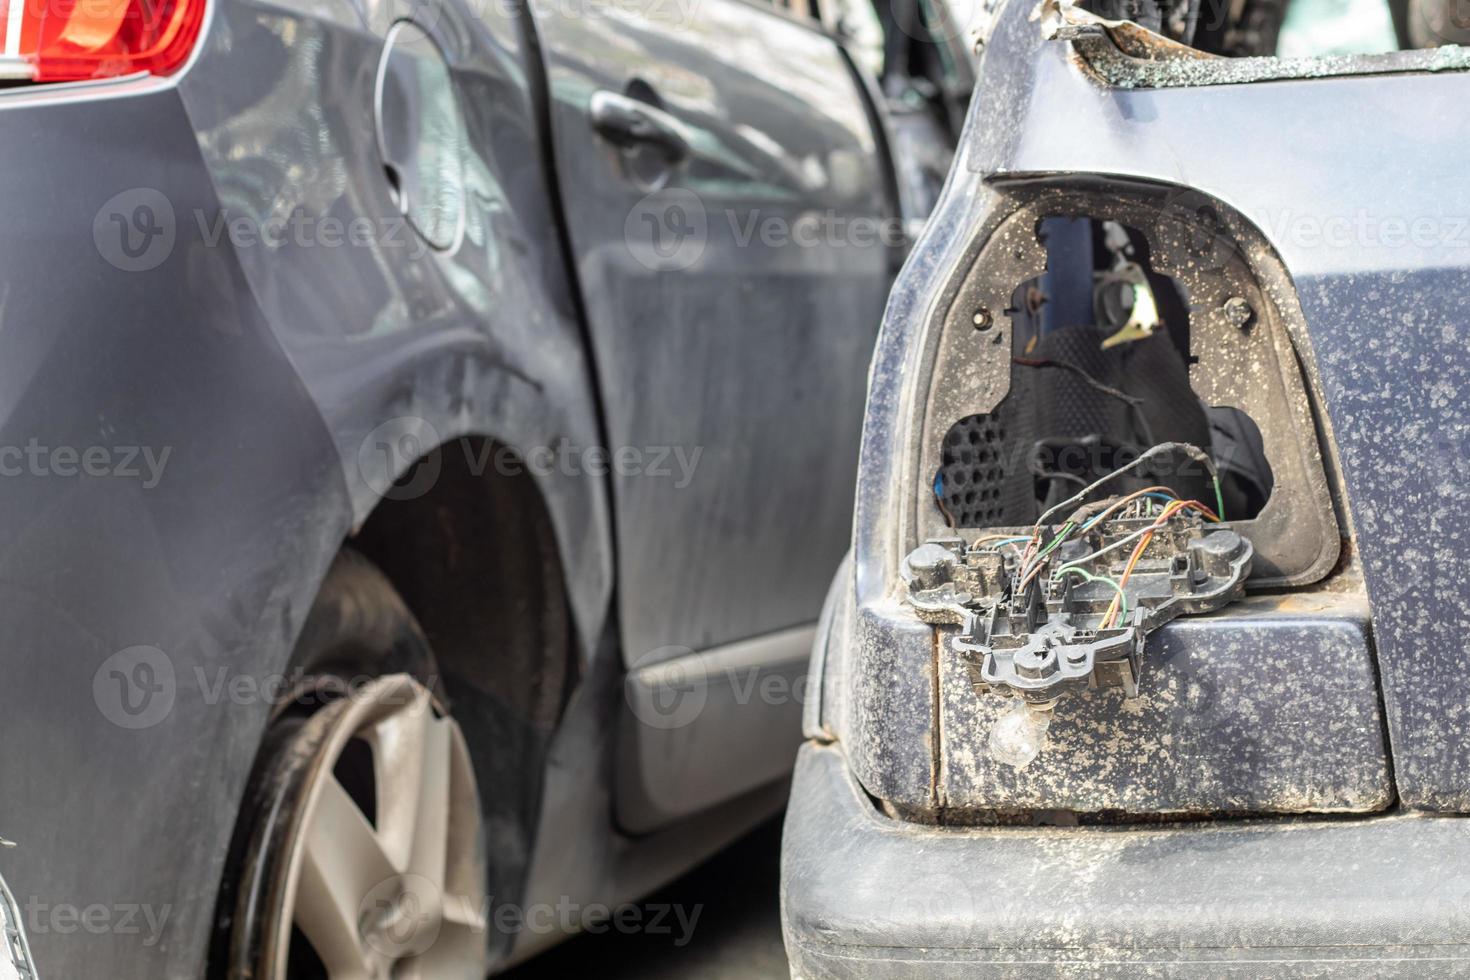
(360, 852)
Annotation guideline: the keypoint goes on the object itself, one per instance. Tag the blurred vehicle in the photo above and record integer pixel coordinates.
(426, 434)
(1147, 658)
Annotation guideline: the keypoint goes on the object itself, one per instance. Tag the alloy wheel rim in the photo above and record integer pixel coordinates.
(382, 880)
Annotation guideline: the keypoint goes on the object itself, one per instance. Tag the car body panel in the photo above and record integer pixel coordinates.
(99, 566)
(867, 896)
(1216, 728)
(729, 346)
(781, 139)
(481, 340)
(269, 396)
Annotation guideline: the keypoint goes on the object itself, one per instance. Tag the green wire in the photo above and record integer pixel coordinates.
(1219, 500)
(1066, 529)
(1122, 596)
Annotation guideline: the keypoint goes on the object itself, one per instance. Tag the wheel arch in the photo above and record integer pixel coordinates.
(480, 561)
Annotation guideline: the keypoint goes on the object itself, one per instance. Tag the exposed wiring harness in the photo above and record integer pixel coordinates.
(1114, 585)
(1193, 452)
(1034, 556)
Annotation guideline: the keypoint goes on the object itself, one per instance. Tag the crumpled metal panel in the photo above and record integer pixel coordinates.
(397, 342)
(1125, 55)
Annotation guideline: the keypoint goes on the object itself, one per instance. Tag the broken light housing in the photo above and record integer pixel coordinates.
(1068, 607)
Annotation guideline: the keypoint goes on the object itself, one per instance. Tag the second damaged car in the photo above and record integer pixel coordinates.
(1148, 658)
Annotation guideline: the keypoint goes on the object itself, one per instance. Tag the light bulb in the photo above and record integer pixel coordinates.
(1019, 734)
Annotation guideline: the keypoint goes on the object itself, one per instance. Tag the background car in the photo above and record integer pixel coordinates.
(422, 429)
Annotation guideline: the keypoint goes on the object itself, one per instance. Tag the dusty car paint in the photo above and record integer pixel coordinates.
(1375, 315)
(813, 307)
(1378, 334)
(280, 388)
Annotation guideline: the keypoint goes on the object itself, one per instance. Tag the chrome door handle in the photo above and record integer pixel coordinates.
(629, 122)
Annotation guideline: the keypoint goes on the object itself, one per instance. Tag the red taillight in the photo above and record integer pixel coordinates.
(64, 40)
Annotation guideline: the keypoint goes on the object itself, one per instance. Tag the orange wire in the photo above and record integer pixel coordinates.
(1092, 521)
(1170, 509)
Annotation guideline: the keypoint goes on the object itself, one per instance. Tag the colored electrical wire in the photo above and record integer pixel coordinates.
(1032, 560)
(1192, 451)
(1000, 540)
(939, 498)
(1173, 508)
(1163, 493)
(1115, 586)
(1144, 537)
(1040, 559)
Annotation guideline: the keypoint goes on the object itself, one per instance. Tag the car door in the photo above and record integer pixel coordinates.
(729, 211)
(713, 157)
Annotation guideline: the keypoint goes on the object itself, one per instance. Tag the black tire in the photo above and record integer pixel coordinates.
(358, 629)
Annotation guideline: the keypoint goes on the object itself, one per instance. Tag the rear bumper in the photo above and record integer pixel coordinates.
(866, 896)
(15, 950)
